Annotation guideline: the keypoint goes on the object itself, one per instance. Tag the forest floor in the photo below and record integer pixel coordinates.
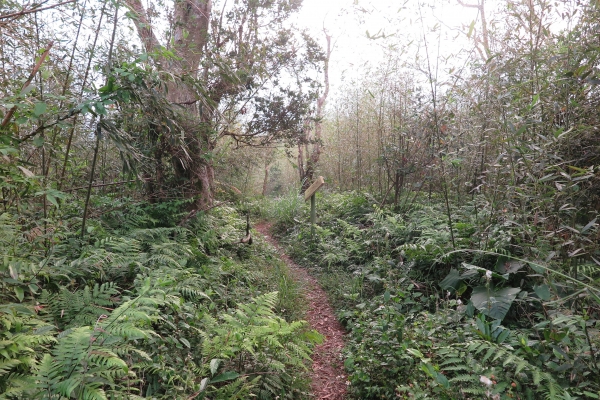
(327, 376)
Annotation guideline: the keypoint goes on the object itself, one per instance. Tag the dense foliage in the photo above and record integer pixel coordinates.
(426, 321)
(472, 270)
(144, 308)
(462, 253)
(114, 283)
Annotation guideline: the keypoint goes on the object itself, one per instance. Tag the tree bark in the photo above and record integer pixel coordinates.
(301, 173)
(190, 35)
(307, 172)
(266, 180)
(484, 30)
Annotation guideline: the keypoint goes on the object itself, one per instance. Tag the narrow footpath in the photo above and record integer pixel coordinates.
(327, 376)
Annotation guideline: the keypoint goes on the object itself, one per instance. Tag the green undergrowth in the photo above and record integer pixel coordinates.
(497, 317)
(143, 307)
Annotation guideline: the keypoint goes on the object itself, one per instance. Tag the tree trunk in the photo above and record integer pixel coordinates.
(484, 30)
(307, 172)
(301, 172)
(266, 180)
(190, 34)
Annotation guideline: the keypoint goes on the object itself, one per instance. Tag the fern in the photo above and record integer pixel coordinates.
(124, 221)
(483, 356)
(109, 259)
(89, 360)
(136, 319)
(265, 342)
(81, 307)
(22, 338)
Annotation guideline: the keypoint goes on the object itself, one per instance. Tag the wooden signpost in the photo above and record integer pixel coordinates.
(310, 194)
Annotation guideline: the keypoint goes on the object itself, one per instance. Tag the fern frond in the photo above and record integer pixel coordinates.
(465, 378)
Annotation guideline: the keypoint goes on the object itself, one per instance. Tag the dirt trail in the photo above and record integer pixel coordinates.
(328, 377)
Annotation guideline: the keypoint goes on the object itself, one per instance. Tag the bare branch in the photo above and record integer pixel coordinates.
(468, 5)
(484, 30)
(33, 10)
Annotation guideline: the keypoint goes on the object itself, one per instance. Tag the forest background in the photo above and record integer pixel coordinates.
(131, 131)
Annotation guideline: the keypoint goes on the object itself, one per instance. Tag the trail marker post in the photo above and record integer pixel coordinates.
(310, 194)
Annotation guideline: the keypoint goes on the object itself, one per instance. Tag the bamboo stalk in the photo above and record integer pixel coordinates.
(99, 128)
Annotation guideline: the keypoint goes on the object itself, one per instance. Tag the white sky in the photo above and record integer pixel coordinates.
(349, 20)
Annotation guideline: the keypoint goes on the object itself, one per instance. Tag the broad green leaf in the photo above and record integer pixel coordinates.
(442, 380)
(19, 292)
(349, 363)
(38, 141)
(547, 178)
(14, 272)
(502, 336)
(415, 352)
(17, 308)
(492, 302)
(508, 267)
(558, 132)
(40, 108)
(27, 89)
(462, 288)
(225, 376)
(99, 106)
(52, 199)
(203, 384)
(543, 292)
(535, 100)
(9, 151)
(214, 365)
(451, 281)
(52, 195)
(588, 226)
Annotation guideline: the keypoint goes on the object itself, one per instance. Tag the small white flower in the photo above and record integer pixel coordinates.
(458, 302)
(485, 380)
(488, 275)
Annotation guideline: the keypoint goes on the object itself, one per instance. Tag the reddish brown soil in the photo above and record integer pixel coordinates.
(327, 375)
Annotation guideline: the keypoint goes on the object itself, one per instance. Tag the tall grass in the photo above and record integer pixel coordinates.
(287, 210)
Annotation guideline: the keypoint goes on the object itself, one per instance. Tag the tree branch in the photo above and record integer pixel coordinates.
(33, 10)
(43, 127)
(143, 25)
(468, 5)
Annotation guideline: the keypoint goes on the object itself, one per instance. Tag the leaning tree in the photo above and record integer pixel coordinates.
(234, 70)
